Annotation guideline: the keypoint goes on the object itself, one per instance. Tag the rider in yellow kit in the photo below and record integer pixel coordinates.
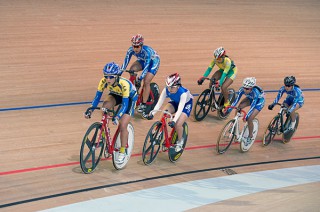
(226, 74)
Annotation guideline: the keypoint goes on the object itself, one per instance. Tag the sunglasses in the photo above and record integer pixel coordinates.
(136, 47)
(171, 87)
(246, 88)
(288, 86)
(109, 76)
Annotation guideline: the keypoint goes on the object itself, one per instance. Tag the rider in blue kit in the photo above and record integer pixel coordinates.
(255, 98)
(180, 103)
(294, 100)
(147, 60)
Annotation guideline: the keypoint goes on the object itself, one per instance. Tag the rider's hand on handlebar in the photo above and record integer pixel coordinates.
(171, 124)
(201, 80)
(87, 114)
(115, 120)
(270, 107)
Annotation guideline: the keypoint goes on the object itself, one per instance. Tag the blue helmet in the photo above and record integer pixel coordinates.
(111, 69)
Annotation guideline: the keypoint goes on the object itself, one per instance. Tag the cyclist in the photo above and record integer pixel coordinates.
(255, 98)
(147, 60)
(121, 91)
(180, 103)
(227, 72)
(294, 100)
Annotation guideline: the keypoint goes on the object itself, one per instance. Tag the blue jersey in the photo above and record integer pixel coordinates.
(256, 98)
(176, 96)
(147, 57)
(294, 97)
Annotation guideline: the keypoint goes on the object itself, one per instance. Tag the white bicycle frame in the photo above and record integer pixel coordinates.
(236, 128)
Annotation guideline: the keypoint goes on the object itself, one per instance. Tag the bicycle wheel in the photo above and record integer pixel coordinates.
(153, 99)
(271, 131)
(288, 134)
(245, 135)
(92, 148)
(173, 155)
(129, 148)
(203, 105)
(152, 143)
(226, 137)
(231, 97)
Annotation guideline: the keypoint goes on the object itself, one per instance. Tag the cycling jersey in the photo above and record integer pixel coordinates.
(256, 98)
(227, 67)
(147, 57)
(294, 97)
(123, 88)
(182, 98)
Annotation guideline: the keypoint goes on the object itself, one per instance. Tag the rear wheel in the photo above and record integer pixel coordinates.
(226, 137)
(92, 148)
(203, 105)
(129, 148)
(152, 143)
(231, 97)
(243, 147)
(288, 134)
(173, 155)
(271, 131)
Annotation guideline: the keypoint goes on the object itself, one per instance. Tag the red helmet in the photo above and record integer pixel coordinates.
(219, 52)
(173, 80)
(137, 40)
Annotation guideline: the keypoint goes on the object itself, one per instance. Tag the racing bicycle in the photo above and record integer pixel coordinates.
(159, 137)
(98, 141)
(207, 100)
(231, 132)
(279, 126)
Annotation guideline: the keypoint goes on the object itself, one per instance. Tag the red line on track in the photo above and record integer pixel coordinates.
(133, 155)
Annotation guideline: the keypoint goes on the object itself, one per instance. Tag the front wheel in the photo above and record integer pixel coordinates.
(288, 134)
(173, 155)
(92, 148)
(231, 97)
(245, 135)
(153, 97)
(152, 143)
(129, 148)
(226, 137)
(271, 131)
(203, 105)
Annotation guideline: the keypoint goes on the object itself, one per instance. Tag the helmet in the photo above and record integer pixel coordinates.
(249, 82)
(137, 40)
(290, 80)
(111, 69)
(173, 80)
(219, 52)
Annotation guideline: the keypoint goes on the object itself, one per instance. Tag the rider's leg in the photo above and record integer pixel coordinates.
(250, 121)
(216, 76)
(123, 126)
(224, 90)
(293, 117)
(146, 87)
(109, 102)
(179, 125)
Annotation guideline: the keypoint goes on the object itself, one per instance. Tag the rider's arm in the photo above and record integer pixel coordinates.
(127, 58)
(278, 97)
(227, 63)
(160, 101)
(183, 101)
(99, 92)
(209, 69)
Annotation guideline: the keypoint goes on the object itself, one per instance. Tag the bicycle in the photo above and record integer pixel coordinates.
(154, 92)
(231, 132)
(207, 100)
(158, 136)
(278, 126)
(98, 140)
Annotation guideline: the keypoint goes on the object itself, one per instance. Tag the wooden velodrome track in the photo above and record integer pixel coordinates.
(52, 52)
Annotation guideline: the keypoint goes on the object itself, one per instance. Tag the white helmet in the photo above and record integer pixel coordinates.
(249, 82)
(173, 80)
(219, 52)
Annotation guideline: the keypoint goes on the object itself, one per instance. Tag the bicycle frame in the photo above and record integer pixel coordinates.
(133, 77)
(164, 127)
(283, 109)
(236, 126)
(215, 86)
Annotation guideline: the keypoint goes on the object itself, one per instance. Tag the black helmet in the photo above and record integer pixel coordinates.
(289, 81)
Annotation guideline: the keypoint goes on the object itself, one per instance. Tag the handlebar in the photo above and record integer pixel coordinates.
(239, 110)
(105, 110)
(214, 82)
(169, 115)
(131, 72)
